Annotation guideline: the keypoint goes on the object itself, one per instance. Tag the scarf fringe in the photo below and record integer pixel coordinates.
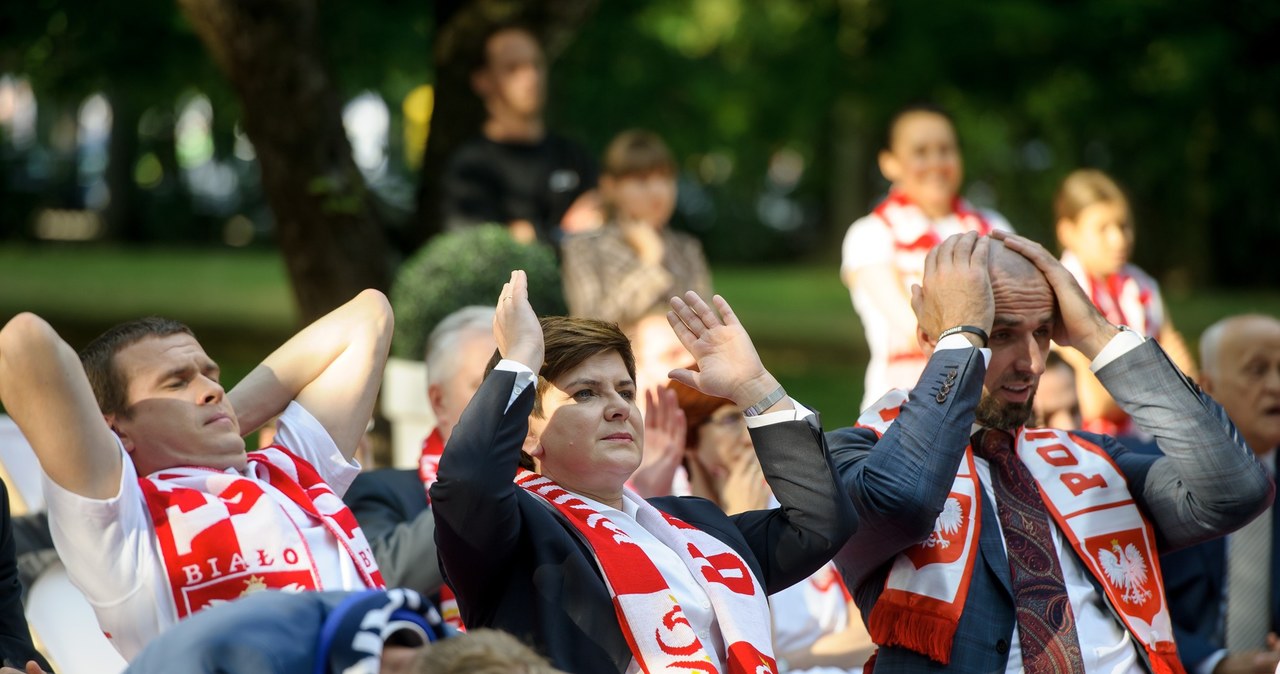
(912, 628)
(1164, 659)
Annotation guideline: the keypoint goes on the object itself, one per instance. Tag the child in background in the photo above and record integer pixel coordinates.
(635, 263)
(883, 253)
(1095, 230)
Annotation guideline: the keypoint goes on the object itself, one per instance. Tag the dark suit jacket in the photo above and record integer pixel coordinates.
(1196, 581)
(899, 484)
(517, 566)
(15, 639)
(391, 507)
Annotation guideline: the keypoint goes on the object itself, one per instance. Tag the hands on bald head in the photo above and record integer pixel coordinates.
(988, 281)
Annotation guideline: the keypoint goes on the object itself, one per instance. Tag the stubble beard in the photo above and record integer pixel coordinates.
(993, 413)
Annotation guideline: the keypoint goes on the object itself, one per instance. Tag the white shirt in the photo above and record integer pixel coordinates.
(868, 242)
(1105, 644)
(111, 553)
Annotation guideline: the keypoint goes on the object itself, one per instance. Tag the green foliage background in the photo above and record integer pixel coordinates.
(463, 268)
(1177, 100)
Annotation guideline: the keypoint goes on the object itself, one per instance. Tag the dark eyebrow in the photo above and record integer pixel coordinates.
(595, 383)
(583, 382)
(175, 373)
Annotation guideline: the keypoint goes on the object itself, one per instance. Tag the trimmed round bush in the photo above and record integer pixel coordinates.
(466, 267)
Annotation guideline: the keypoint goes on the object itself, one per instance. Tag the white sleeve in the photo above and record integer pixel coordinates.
(958, 341)
(867, 242)
(798, 413)
(302, 434)
(1124, 342)
(524, 377)
(106, 545)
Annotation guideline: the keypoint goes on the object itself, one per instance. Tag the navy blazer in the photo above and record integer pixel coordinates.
(516, 565)
(899, 483)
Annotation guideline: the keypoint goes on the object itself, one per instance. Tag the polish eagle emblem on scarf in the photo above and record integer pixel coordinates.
(1126, 569)
(947, 525)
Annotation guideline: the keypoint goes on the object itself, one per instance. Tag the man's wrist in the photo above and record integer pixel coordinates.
(1094, 345)
(976, 335)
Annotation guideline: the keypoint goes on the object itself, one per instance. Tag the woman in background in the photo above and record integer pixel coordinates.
(883, 252)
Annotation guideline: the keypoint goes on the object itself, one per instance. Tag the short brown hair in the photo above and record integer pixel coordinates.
(568, 342)
(481, 651)
(98, 358)
(477, 55)
(1084, 188)
(914, 107)
(637, 152)
(571, 341)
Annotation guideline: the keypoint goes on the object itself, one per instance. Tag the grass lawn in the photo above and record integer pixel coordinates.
(240, 304)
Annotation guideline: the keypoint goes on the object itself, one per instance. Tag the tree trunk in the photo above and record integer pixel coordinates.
(123, 219)
(458, 113)
(332, 241)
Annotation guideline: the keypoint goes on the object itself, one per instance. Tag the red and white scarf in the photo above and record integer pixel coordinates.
(429, 461)
(912, 230)
(222, 536)
(428, 468)
(1089, 500)
(914, 235)
(652, 621)
(1129, 296)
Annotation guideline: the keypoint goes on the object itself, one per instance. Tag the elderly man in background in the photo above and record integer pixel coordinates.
(1223, 595)
(391, 504)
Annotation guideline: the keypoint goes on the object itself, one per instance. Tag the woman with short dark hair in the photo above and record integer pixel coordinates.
(571, 561)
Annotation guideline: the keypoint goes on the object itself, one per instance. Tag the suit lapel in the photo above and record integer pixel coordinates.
(992, 546)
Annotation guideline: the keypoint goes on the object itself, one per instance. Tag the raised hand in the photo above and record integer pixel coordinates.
(645, 240)
(664, 443)
(728, 365)
(515, 326)
(744, 488)
(1080, 323)
(956, 286)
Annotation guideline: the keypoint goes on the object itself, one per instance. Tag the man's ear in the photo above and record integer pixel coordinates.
(925, 342)
(1205, 382)
(890, 167)
(435, 396)
(113, 422)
